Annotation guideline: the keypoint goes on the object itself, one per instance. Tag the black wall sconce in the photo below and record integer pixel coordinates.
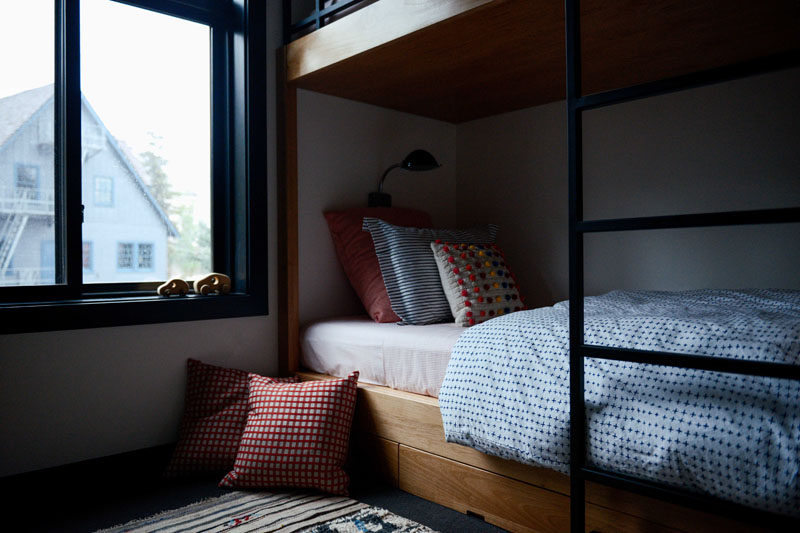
(416, 161)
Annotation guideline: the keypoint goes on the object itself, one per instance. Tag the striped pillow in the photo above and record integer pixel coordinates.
(409, 269)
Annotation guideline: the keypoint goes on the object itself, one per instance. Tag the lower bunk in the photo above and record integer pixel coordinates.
(501, 390)
(399, 437)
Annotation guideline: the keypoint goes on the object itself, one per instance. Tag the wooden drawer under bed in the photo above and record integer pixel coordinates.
(399, 437)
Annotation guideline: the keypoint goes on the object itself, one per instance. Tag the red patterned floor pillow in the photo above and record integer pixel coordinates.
(214, 417)
(296, 435)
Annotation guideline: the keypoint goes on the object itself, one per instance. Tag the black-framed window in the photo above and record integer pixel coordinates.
(233, 229)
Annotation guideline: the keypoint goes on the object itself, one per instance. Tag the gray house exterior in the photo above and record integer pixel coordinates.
(125, 231)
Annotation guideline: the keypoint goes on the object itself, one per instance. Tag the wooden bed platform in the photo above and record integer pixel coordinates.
(459, 60)
(399, 436)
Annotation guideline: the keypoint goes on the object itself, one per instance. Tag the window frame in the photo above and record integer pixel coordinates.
(239, 166)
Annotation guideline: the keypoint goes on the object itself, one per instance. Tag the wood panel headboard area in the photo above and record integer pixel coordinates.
(467, 61)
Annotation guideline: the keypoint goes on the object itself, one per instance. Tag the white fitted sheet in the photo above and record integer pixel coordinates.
(409, 358)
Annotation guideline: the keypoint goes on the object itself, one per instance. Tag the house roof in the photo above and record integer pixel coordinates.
(17, 110)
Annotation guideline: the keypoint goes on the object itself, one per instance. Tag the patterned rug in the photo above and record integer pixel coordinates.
(241, 512)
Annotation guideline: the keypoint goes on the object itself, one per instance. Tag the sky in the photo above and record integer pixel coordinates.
(142, 72)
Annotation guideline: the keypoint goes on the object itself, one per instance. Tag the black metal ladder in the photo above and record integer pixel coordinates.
(580, 472)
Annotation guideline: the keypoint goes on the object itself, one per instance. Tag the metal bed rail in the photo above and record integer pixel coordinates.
(577, 103)
(317, 19)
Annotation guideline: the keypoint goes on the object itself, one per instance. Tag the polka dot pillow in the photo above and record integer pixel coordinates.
(296, 435)
(477, 281)
(214, 416)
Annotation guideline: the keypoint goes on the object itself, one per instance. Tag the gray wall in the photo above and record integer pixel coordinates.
(66, 396)
(344, 147)
(726, 147)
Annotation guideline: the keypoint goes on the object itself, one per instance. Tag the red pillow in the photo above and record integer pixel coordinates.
(296, 435)
(214, 417)
(356, 252)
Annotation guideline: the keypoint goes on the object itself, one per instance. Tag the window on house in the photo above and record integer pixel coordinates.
(103, 191)
(27, 178)
(135, 256)
(158, 124)
(145, 256)
(87, 256)
(92, 135)
(125, 256)
(48, 251)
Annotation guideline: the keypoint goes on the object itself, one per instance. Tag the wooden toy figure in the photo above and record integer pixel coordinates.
(172, 287)
(213, 283)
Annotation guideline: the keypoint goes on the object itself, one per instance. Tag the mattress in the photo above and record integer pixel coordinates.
(409, 358)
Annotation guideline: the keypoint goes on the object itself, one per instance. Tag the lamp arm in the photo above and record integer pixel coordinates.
(380, 181)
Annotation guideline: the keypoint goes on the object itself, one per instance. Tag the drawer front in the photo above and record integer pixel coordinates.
(502, 501)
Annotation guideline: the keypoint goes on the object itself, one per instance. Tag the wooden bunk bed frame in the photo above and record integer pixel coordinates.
(499, 56)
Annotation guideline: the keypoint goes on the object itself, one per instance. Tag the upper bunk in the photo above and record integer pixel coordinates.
(459, 60)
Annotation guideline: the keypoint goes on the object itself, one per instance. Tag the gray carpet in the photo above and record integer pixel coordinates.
(432, 515)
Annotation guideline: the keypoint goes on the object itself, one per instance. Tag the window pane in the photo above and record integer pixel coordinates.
(145, 254)
(146, 140)
(27, 229)
(124, 256)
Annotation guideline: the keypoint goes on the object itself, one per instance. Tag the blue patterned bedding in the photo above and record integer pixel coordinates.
(506, 392)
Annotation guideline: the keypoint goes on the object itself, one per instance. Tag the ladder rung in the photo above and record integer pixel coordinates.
(697, 362)
(695, 79)
(694, 220)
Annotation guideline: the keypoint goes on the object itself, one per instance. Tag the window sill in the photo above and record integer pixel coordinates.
(125, 311)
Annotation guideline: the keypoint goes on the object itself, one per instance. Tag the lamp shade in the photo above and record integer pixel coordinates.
(420, 160)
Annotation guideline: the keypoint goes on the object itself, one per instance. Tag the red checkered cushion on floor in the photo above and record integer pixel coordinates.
(214, 417)
(296, 435)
